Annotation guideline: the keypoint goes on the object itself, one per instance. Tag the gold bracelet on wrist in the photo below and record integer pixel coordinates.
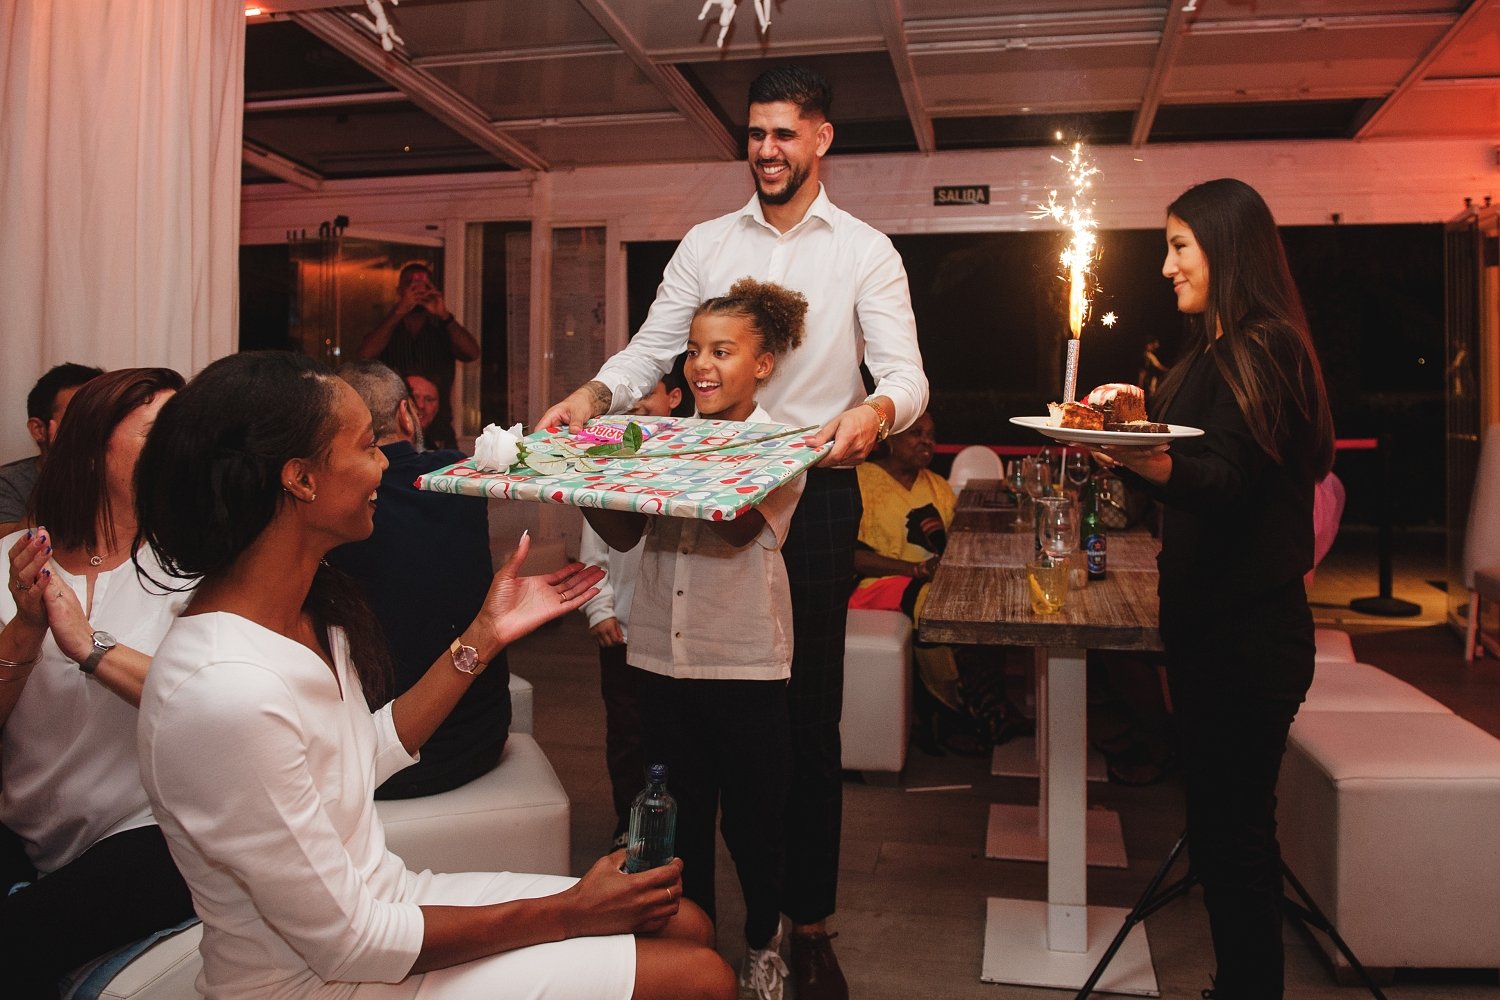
(882, 425)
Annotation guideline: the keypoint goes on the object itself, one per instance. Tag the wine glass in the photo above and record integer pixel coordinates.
(1057, 526)
(1077, 467)
(1015, 478)
(1036, 474)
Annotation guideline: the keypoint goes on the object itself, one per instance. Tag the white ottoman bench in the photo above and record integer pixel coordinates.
(1390, 820)
(515, 818)
(877, 693)
(1358, 687)
(522, 714)
(1333, 644)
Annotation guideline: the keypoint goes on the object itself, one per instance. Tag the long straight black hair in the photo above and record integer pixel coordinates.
(209, 483)
(1266, 354)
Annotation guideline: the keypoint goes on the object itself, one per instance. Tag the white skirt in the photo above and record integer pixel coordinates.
(585, 968)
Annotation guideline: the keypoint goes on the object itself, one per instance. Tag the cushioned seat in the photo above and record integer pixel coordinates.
(1359, 687)
(1333, 644)
(521, 712)
(1389, 819)
(877, 691)
(168, 970)
(515, 818)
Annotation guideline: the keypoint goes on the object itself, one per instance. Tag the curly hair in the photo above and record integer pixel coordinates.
(776, 314)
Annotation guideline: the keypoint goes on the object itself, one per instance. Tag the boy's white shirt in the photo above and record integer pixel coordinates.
(617, 589)
(707, 610)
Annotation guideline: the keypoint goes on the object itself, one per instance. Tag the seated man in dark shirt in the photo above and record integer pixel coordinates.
(425, 570)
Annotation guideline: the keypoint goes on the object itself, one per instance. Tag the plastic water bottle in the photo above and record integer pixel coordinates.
(653, 823)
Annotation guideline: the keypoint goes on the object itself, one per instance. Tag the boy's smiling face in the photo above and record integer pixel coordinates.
(724, 366)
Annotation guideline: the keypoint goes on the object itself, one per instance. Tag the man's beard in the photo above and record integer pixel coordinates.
(794, 183)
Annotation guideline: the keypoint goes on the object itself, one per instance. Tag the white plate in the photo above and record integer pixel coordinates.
(1079, 435)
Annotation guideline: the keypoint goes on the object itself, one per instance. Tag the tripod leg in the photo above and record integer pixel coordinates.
(1148, 903)
(1309, 912)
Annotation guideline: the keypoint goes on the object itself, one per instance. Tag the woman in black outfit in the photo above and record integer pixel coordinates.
(1237, 537)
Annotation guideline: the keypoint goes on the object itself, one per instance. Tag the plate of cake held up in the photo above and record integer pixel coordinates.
(1113, 414)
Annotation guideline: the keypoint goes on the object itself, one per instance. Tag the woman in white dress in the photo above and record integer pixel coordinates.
(79, 629)
(264, 734)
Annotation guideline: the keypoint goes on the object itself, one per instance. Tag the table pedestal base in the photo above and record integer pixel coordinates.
(1016, 758)
(1015, 950)
(1014, 835)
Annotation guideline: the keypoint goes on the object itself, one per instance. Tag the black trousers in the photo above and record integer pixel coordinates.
(619, 683)
(819, 555)
(725, 746)
(1236, 683)
(120, 890)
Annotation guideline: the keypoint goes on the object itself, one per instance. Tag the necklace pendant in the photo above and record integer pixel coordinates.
(95, 560)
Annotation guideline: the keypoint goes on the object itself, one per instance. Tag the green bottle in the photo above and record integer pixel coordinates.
(1092, 532)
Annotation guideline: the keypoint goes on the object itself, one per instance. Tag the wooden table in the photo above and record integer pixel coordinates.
(979, 596)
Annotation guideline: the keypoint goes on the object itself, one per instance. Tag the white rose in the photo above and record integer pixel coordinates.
(497, 449)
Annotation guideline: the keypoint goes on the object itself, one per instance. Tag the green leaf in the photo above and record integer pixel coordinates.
(633, 437)
(548, 465)
(601, 450)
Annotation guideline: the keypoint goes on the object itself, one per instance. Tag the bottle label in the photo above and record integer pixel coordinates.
(1094, 546)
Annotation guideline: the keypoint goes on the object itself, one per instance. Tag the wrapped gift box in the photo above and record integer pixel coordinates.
(713, 470)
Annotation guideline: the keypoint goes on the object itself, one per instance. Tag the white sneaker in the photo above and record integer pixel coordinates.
(763, 973)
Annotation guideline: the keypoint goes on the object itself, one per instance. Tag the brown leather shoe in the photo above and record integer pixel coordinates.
(815, 969)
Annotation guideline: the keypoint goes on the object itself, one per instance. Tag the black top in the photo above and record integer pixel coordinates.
(428, 352)
(1235, 522)
(425, 570)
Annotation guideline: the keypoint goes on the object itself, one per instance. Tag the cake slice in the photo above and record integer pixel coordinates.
(1080, 416)
(1120, 403)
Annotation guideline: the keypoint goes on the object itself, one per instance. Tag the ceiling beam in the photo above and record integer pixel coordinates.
(893, 24)
(1172, 32)
(1418, 72)
(668, 79)
(424, 90)
(314, 102)
(279, 166)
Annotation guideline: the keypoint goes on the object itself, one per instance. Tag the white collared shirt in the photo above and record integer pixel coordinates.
(707, 610)
(859, 309)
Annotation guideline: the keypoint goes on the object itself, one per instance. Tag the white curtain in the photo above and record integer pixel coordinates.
(120, 125)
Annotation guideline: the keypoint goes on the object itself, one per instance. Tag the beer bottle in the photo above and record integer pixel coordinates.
(1092, 531)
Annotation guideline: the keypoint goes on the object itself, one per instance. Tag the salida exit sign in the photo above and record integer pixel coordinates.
(961, 194)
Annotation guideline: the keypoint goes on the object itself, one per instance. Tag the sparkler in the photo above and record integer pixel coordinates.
(1077, 214)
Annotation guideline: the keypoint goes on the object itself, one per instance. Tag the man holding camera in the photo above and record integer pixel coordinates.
(419, 336)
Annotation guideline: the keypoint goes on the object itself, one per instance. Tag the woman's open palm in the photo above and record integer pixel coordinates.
(517, 605)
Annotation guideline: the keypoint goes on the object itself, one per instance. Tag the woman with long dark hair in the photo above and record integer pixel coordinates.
(79, 631)
(264, 734)
(1237, 537)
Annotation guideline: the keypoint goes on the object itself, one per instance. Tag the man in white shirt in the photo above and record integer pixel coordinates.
(859, 310)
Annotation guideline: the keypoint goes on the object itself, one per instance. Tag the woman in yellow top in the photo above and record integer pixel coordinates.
(902, 533)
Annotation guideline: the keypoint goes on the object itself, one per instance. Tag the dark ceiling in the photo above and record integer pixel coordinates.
(544, 84)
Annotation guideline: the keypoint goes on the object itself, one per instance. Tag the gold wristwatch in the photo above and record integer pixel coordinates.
(466, 658)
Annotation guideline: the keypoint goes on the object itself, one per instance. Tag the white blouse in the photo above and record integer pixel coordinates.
(67, 763)
(262, 765)
(705, 609)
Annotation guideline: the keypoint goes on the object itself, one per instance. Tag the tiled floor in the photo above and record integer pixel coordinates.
(914, 877)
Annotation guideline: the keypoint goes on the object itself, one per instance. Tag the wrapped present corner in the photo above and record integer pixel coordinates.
(712, 470)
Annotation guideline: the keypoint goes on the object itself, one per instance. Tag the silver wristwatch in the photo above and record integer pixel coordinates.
(103, 643)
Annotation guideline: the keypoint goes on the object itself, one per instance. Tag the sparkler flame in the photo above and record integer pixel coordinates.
(1077, 215)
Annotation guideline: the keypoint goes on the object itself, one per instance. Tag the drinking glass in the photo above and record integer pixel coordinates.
(1016, 479)
(1057, 526)
(1077, 467)
(1047, 584)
